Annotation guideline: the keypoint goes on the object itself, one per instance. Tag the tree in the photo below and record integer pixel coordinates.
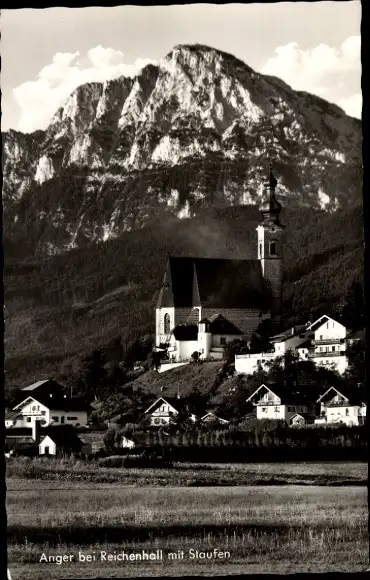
(195, 356)
(260, 341)
(109, 440)
(356, 370)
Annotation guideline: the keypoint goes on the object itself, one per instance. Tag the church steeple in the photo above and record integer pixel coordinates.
(270, 208)
(270, 241)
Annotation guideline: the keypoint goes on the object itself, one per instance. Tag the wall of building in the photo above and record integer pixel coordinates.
(31, 412)
(347, 414)
(185, 348)
(338, 363)
(47, 442)
(205, 341)
(75, 418)
(248, 363)
(160, 313)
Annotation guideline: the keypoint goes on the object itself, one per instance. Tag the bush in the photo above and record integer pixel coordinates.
(142, 460)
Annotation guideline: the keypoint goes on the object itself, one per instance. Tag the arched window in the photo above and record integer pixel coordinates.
(273, 248)
(167, 324)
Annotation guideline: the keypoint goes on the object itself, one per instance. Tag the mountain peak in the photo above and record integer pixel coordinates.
(190, 133)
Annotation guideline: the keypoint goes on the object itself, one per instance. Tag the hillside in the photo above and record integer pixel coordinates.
(62, 307)
(193, 133)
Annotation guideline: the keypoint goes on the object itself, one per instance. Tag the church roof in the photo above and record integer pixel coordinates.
(213, 283)
(220, 325)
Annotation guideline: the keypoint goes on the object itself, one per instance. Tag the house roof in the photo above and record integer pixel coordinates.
(216, 417)
(186, 332)
(305, 344)
(58, 403)
(65, 437)
(356, 334)
(213, 283)
(289, 333)
(18, 432)
(308, 417)
(40, 383)
(354, 395)
(220, 325)
(12, 414)
(323, 319)
(176, 403)
(289, 394)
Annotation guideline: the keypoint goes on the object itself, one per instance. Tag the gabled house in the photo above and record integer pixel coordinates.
(329, 343)
(49, 408)
(300, 419)
(282, 402)
(344, 405)
(61, 441)
(213, 418)
(164, 409)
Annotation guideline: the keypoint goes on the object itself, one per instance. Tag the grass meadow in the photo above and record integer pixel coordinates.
(265, 528)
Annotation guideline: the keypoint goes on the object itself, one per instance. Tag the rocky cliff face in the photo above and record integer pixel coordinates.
(197, 130)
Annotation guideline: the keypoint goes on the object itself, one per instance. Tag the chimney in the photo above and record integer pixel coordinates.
(36, 431)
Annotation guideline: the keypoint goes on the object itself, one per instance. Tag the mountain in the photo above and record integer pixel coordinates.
(193, 133)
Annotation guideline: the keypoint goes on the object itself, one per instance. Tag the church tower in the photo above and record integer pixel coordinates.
(270, 247)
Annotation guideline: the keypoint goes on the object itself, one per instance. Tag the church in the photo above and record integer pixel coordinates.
(204, 303)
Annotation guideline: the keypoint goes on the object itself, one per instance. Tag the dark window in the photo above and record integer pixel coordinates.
(71, 418)
(28, 419)
(291, 409)
(167, 323)
(62, 419)
(333, 348)
(222, 341)
(273, 249)
(47, 450)
(56, 419)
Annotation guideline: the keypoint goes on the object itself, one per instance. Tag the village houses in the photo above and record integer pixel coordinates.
(324, 342)
(45, 401)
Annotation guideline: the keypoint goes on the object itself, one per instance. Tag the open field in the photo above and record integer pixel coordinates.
(282, 529)
(188, 474)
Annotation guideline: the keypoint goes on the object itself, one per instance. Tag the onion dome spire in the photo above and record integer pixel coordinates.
(270, 208)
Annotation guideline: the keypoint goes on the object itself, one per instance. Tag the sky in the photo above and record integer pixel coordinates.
(47, 53)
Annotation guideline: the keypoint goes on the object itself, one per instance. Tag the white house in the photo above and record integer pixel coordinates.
(289, 340)
(329, 344)
(345, 406)
(212, 418)
(301, 419)
(281, 402)
(62, 440)
(50, 410)
(127, 443)
(163, 410)
(324, 342)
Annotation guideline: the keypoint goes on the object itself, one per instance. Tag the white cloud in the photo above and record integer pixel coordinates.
(325, 71)
(40, 99)
(352, 105)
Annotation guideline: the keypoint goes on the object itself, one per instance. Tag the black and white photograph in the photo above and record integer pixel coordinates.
(184, 304)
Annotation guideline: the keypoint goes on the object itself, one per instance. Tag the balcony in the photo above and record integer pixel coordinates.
(326, 354)
(329, 341)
